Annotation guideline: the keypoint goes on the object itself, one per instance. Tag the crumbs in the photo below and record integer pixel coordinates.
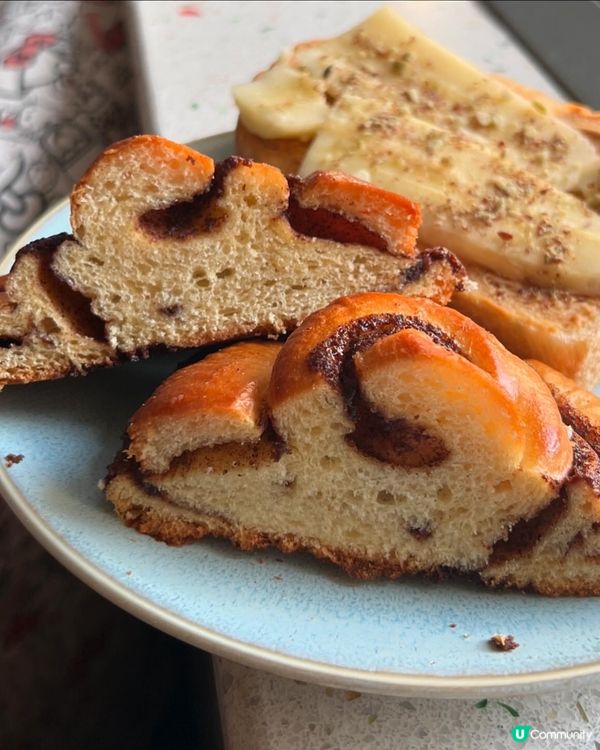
(503, 642)
(498, 642)
(13, 458)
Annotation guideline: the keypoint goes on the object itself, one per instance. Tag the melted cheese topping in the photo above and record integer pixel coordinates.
(390, 106)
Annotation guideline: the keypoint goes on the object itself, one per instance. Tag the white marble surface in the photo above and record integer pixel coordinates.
(190, 54)
(264, 712)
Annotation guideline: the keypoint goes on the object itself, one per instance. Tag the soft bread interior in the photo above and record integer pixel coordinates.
(237, 268)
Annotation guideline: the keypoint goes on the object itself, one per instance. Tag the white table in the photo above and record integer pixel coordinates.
(189, 55)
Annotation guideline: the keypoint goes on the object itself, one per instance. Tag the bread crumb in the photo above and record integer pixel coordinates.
(13, 458)
(503, 642)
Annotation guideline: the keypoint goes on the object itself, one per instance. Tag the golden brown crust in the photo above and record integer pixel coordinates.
(221, 396)
(392, 217)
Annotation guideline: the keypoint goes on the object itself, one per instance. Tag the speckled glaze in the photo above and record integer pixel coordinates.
(291, 615)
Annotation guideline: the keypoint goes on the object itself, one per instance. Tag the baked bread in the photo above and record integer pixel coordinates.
(170, 251)
(558, 553)
(392, 436)
(504, 183)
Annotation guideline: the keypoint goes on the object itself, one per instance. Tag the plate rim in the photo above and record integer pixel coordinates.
(140, 606)
(252, 655)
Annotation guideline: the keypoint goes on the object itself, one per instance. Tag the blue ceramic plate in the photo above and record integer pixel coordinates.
(290, 615)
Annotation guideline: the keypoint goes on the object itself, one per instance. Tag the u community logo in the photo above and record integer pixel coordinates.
(520, 732)
(524, 732)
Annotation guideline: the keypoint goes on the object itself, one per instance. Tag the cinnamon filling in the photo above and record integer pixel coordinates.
(228, 457)
(331, 357)
(525, 534)
(394, 441)
(426, 259)
(586, 464)
(73, 304)
(199, 215)
(183, 219)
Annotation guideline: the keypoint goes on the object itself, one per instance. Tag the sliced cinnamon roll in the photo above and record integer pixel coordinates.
(388, 435)
(171, 250)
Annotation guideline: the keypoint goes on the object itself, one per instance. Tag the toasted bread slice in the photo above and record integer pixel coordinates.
(170, 251)
(392, 436)
(531, 317)
(554, 326)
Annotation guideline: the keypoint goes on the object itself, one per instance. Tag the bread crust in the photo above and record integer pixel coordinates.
(220, 397)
